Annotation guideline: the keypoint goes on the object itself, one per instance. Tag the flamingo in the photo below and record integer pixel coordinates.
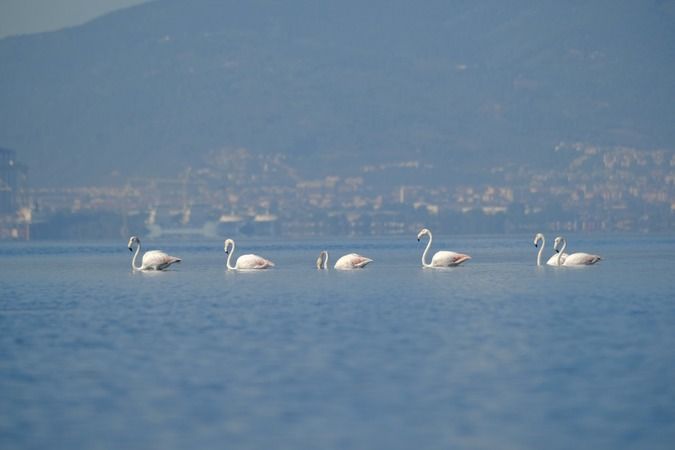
(553, 260)
(346, 262)
(249, 261)
(574, 259)
(441, 258)
(152, 260)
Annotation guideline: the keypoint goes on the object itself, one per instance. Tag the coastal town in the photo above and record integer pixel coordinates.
(594, 188)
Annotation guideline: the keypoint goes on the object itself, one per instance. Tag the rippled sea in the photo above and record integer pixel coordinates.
(496, 354)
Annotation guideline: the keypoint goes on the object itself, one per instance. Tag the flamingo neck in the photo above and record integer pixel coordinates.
(562, 250)
(321, 260)
(133, 260)
(424, 255)
(229, 257)
(541, 250)
(325, 260)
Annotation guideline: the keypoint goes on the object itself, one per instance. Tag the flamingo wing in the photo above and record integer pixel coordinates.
(359, 261)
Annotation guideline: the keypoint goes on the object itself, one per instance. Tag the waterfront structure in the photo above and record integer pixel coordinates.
(15, 212)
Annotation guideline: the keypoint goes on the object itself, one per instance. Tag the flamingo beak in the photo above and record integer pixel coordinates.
(130, 249)
(535, 245)
(557, 251)
(418, 239)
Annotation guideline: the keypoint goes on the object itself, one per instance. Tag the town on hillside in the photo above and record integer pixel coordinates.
(614, 189)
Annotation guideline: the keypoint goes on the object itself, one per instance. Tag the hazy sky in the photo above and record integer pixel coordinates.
(33, 16)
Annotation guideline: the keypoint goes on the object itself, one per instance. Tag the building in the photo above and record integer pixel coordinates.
(8, 182)
(15, 213)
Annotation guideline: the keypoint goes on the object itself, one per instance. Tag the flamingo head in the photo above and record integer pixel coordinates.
(557, 242)
(538, 237)
(133, 240)
(422, 232)
(228, 243)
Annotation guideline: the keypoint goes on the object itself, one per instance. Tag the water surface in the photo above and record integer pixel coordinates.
(494, 354)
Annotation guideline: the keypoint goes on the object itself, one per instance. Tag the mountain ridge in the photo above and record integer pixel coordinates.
(157, 87)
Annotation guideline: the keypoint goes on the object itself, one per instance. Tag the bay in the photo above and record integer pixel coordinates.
(497, 353)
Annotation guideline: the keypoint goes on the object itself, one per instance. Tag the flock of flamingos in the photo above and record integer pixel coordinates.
(158, 260)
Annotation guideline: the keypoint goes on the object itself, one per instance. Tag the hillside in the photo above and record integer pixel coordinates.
(466, 86)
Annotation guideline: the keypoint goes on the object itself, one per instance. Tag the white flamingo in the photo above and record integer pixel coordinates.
(441, 258)
(553, 260)
(346, 262)
(249, 261)
(573, 259)
(152, 260)
(350, 261)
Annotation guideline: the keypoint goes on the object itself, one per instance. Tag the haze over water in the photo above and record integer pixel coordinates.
(495, 354)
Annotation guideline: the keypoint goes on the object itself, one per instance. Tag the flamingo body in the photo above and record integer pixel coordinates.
(252, 261)
(351, 261)
(157, 260)
(444, 258)
(581, 259)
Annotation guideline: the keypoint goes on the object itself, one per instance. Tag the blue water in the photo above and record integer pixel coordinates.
(495, 354)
